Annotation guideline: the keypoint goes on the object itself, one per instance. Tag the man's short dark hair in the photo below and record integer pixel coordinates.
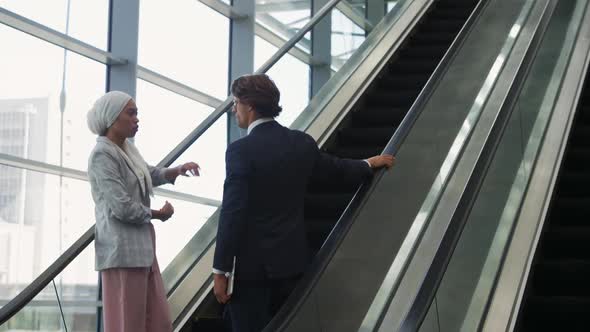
(258, 91)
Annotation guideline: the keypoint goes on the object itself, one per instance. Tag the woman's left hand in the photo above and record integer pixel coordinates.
(191, 167)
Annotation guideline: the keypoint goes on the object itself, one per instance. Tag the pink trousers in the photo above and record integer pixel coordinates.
(134, 299)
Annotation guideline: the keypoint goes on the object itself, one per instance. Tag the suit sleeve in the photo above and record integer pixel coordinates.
(331, 166)
(232, 219)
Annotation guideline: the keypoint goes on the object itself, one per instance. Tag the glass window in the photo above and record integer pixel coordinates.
(32, 80)
(391, 5)
(88, 20)
(165, 119)
(40, 221)
(77, 289)
(190, 47)
(209, 152)
(175, 233)
(291, 77)
(285, 18)
(346, 38)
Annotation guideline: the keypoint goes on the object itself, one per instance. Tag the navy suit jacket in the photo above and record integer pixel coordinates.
(262, 219)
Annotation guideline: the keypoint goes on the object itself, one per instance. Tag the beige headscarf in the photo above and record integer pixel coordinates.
(101, 116)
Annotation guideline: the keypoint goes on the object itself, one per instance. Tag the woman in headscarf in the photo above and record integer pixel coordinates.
(133, 294)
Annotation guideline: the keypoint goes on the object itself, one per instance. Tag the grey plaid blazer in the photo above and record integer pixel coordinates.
(123, 214)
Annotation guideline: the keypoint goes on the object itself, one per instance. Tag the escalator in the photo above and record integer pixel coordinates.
(558, 294)
(367, 129)
(472, 273)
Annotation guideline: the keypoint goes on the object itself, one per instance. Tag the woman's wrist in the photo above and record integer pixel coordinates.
(156, 214)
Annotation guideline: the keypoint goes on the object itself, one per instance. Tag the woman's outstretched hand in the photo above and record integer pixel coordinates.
(191, 167)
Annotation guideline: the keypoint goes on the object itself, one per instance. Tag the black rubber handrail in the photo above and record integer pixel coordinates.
(289, 310)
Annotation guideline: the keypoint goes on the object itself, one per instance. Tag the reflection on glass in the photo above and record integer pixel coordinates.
(197, 55)
(346, 38)
(88, 20)
(77, 288)
(30, 109)
(291, 77)
(359, 5)
(390, 5)
(38, 221)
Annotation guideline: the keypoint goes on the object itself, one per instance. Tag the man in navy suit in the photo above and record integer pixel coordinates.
(261, 222)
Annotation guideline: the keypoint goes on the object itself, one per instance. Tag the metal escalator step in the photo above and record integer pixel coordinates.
(556, 313)
(388, 96)
(413, 66)
(356, 152)
(580, 137)
(577, 159)
(430, 52)
(416, 81)
(365, 136)
(378, 116)
(566, 242)
(574, 184)
(562, 277)
(570, 211)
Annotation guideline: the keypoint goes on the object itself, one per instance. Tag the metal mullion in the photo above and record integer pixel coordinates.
(352, 14)
(282, 6)
(223, 9)
(41, 167)
(57, 38)
(177, 87)
(278, 26)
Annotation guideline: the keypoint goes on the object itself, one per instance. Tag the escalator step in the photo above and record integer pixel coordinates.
(356, 152)
(566, 243)
(388, 96)
(415, 82)
(557, 313)
(365, 136)
(413, 66)
(445, 25)
(574, 184)
(581, 137)
(571, 211)
(584, 114)
(378, 116)
(577, 159)
(420, 52)
(563, 277)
